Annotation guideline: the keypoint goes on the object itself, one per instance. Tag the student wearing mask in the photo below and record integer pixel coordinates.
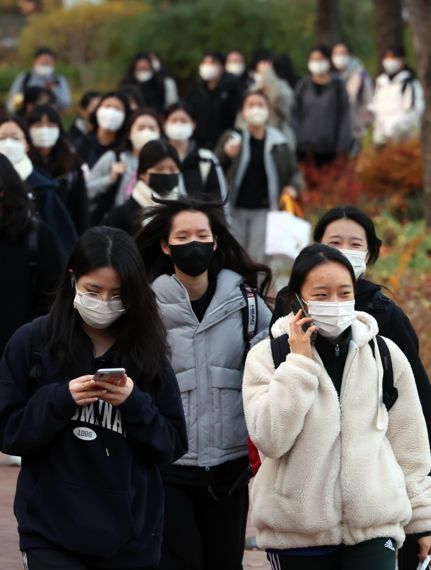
(29, 255)
(323, 112)
(236, 65)
(339, 485)
(398, 101)
(198, 270)
(353, 233)
(151, 85)
(359, 87)
(260, 166)
(111, 180)
(158, 177)
(42, 74)
(15, 143)
(201, 173)
(109, 121)
(82, 124)
(278, 91)
(89, 495)
(214, 99)
(51, 153)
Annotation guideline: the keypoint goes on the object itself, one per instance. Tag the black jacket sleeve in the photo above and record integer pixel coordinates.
(29, 418)
(156, 426)
(404, 335)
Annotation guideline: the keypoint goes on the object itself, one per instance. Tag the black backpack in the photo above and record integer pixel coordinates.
(280, 349)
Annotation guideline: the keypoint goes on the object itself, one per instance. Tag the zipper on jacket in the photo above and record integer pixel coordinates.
(337, 350)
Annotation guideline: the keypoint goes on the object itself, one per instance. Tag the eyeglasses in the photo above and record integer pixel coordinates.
(92, 300)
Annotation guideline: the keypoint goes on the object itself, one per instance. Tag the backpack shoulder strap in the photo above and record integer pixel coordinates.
(390, 392)
(280, 349)
(25, 81)
(38, 339)
(409, 81)
(249, 313)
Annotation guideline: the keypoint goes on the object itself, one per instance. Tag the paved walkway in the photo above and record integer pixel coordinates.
(10, 558)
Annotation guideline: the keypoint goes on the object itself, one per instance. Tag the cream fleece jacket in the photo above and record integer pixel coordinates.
(335, 470)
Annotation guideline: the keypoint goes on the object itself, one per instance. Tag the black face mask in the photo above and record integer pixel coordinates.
(192, 258)
(162, 184)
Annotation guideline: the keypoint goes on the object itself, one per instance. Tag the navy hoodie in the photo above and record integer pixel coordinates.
(89, 481)
(52, 210)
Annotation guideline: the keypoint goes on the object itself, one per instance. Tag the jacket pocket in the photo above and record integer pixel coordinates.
(90, 521)
(229, 426)
(188, 388)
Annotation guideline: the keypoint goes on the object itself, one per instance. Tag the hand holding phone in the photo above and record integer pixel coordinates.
(115, 376)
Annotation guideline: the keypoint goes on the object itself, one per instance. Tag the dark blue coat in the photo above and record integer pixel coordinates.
(89, 481)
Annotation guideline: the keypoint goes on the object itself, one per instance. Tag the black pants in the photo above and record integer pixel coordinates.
(53, 559)
(205, 520)
(369, 555)
(408, 555)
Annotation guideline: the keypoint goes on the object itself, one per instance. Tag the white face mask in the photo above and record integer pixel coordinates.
(143, 76)
(391, 65)
(341, 61)
(96, 313)
(110, 119)
(140, 138)
(208, 71)
(319, 67)
(256, 116)
(44, 137)
(44, 70)
(13, 150)
(236, 68)
(332, 318)
(179, 131)
(357, 259)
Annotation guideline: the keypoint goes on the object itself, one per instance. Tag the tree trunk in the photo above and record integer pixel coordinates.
(389, 25)
(419, 14)
(327, 22)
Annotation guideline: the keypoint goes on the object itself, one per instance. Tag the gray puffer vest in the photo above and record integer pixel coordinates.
(208, 359)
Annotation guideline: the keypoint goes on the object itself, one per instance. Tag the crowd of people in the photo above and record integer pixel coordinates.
(141, 356)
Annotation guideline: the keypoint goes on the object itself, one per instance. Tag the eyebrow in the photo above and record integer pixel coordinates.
(341, 237)
(324, 288)
(94, 286)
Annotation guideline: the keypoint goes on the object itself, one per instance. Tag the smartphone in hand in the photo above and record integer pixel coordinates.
(298, 305)
(115, 376)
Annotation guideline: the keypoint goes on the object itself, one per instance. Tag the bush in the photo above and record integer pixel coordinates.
(73, 33)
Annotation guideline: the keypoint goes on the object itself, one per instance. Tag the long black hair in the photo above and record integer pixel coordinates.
(228, 255)
(356, 215)
(309, 258)
(61, 159)
(140, 345)
(15, 204)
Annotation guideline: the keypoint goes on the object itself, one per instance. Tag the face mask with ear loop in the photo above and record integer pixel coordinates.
(95, 312)
(332, 318)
